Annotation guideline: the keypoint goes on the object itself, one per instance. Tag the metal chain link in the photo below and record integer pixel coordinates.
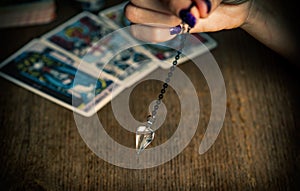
(151, 118)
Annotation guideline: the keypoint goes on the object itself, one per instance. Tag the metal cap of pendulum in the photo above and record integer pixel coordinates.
(144, 135)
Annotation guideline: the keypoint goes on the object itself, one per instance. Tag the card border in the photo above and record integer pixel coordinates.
(89, 113)
(201, 49)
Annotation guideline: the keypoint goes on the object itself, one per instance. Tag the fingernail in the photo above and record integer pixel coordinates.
(175, 30)
(187, 17)
(208, 4)
(191, 6)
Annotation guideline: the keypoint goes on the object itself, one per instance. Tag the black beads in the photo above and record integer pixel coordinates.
(160, 96)
(170, 74)
(165, 85)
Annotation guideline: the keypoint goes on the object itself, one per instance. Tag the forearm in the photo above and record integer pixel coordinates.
(270, 24)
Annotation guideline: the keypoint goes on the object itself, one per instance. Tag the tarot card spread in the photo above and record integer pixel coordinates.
(97, 44)
(50, 65)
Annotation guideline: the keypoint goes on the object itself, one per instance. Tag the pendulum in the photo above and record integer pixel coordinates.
(144, 133)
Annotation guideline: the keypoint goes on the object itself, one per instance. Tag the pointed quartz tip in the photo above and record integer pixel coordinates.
(139, 151)
(144, 136)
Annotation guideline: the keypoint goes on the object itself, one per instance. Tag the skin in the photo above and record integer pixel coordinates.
(267, 21)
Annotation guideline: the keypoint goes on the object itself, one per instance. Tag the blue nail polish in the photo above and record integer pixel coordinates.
(208, 4)
(187, 17)
(175, 30)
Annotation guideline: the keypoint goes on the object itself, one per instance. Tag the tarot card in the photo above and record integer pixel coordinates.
(194, 45)
(97, 46)
(116, 15)
(51, 74)
(165, 51)
(78, 34)
(125, 66)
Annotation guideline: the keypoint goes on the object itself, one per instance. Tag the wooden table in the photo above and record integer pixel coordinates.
(257, 148)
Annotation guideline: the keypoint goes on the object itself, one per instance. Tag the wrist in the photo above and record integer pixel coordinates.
(268, 22)
(252, 16)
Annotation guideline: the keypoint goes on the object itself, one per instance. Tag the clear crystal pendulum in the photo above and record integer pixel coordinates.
(144, 133)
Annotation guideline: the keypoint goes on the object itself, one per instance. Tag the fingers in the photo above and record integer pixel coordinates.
(200, 15)
(151, 34)
(205, 7)
(154, 5)
(201, 8)
(223, 17)
(169, 12)
(146, 16)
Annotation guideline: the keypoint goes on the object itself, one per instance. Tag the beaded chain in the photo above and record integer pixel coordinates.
(144, 134)
(151, 118)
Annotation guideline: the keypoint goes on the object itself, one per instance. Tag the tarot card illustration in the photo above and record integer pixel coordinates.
(51, 74)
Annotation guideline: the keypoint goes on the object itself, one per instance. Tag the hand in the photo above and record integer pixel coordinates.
(210, 15)
(271, 22)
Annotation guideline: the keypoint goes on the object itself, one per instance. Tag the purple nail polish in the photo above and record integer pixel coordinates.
(175, 30)
(208, 4)
(187, 17)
